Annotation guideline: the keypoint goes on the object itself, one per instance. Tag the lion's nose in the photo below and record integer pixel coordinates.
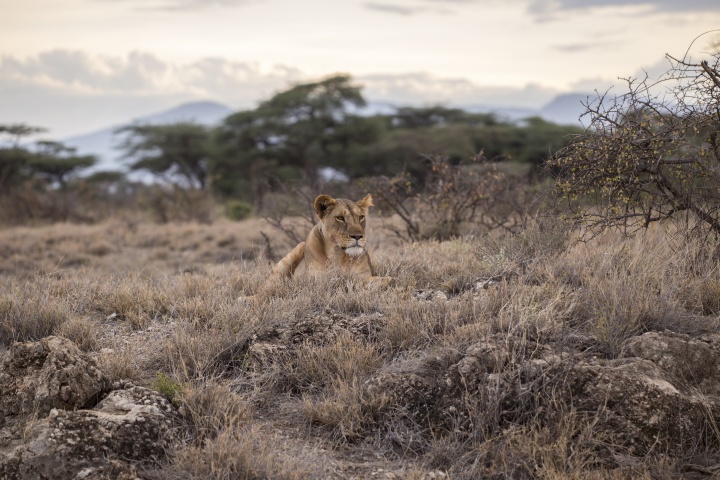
(356, 237)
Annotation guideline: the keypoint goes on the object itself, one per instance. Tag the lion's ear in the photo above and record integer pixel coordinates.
(365, 203)
(323, 203)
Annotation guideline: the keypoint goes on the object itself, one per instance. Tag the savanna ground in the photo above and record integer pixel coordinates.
(158, 305)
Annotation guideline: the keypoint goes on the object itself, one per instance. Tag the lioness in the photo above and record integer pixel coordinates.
(336, 242)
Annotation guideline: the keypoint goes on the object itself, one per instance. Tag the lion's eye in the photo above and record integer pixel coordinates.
(362, 217)
(340, 219)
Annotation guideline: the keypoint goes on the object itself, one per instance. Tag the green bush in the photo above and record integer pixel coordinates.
(167, 387)
(237, 209)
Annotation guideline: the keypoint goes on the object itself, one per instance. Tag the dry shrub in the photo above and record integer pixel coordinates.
(312, 368)
(418, 324)
(136, 299)
(344, 408)
(449, 266)
(247, 453)
(100, 247)
(533, 286)
(707, 295)
(202, 300)
(195, 354)
(174, 204)
(621, 288)
(455, 200)
(211, 408)
(566, 449)
(121, 362)
(534, 312)
(82, 331)
(26, 314)
(226, 443)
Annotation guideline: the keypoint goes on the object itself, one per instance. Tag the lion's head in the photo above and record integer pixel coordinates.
(343, 222)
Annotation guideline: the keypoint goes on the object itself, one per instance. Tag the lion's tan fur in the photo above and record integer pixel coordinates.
(336, 242)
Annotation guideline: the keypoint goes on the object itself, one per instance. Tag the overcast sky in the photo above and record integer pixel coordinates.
(75, 66)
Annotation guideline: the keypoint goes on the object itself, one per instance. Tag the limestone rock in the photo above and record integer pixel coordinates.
(317, 329)
(36, 377)
(690, 362)
(130, 425)
(654, 399)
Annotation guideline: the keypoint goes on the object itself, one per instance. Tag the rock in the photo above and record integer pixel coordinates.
(54, 424)
(36, 377)
(656, 398)
(113, 470)
(318, 329)
(638, 407)
(264, 353)
(430, 295)
(408, 389)
(130, 425)
(688, 361)
(481, 285)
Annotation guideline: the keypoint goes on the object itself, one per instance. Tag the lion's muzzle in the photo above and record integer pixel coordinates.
(355, 249)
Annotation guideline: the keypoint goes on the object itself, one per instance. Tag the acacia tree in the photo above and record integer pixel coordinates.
(57, 163)
(650, 154)
(14, 158)
(179, 153)
(294, 133)
(46, 160)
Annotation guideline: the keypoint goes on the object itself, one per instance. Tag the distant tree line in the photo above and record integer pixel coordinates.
(649, 155)
(308, 135)
(297, 133)
(42, 163)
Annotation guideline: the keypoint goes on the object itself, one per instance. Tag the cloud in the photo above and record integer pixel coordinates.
(585, 46)
(552, 6)
(424, 88)
(182, 5)
(391, 8)
(618, 83)
(140, 73)
(410, 8)
(72, 91)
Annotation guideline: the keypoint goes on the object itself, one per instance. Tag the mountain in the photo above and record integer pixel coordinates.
(565, 109)
(104, 143)
(204, 113)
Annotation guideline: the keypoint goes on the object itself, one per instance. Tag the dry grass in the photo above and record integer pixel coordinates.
(145, 299)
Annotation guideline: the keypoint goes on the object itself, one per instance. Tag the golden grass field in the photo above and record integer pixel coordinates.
(158, 305)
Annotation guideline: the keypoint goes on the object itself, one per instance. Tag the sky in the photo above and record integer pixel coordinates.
(75, 66)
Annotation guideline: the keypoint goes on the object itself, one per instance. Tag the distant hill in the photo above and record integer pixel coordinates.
(103, 143)
(565, 109)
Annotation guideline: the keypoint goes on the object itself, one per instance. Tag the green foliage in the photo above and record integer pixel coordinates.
(167, 387)
(13, 167)
(291, 135)
(177, 153)
(238, 209)
(411, 133)
(56, 163)
(51, 162)
(105, 177)
(277, 147)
